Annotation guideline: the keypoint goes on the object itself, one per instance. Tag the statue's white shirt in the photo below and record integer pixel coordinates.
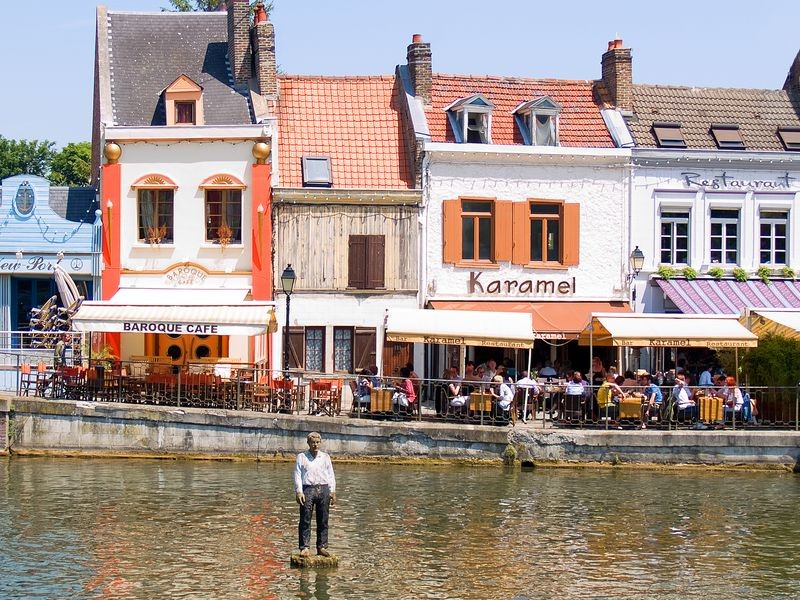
(310, 470)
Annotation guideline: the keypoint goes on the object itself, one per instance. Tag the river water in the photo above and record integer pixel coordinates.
(192, 529)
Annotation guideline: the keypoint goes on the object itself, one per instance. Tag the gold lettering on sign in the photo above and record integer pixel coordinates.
(185, 276)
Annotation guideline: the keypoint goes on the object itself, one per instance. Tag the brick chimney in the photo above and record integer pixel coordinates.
(239, 40)
(262, 37)
(792, 82)
(618, 75)
(418, 57)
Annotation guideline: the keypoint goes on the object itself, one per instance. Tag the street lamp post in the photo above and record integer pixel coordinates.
(636, 262)
(287, 284)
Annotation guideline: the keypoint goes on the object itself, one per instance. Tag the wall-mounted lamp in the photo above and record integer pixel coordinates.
(636, 262)
(59, 256)
(260, 210)
(19, 255)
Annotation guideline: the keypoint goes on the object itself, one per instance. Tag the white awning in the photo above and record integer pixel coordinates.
(780, 322)
(177, 311)
(459, 328)
(671, 331)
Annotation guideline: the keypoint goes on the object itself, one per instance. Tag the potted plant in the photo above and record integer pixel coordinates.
(764, 272)
(665, 272)
(787, 272)
(224, 235)
(739, 274)
(156, 234)
(689, 273)
(716, 272)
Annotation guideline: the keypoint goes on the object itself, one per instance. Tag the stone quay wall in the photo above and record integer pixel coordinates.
(51, 427)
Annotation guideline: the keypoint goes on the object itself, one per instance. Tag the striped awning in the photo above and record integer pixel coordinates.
(729, 297)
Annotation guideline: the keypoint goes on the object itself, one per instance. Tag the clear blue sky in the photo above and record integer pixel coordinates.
(48, 48)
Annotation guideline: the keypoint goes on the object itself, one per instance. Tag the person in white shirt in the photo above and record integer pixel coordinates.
(502, 393)
(687, 409)
(532, 391)
(315, 490)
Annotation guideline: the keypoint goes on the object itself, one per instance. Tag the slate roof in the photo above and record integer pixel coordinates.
(74, 203)
(758, 113)
(580, 122)
(356, 121)
(148, 51)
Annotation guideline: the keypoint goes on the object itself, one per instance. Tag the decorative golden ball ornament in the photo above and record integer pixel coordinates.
(112, 152)
(261, 152)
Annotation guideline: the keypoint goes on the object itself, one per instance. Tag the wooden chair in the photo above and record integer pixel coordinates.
(27, 380)
(260, 396)
(321, 399)
(285, 396)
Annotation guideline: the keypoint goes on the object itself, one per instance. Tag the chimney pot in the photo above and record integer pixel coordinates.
(416, 38)
(418, 58)
(261, 13)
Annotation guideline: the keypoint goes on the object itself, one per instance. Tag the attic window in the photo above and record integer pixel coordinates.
(183, 100)
(317, 171)
(727, 136)
(471, 119)
(668, 135)
(184, 113)
(790, 137)
(538, 121)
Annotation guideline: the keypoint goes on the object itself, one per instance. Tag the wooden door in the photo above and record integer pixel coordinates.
(396, 355)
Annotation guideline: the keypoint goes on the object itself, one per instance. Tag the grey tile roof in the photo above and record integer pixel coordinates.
(758, 113)
(150, 50)
(74, 203)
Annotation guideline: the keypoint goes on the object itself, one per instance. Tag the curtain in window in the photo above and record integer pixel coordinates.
(545, 130)
(233, 214)
(146, 210)
(343, 350)
(314, 358)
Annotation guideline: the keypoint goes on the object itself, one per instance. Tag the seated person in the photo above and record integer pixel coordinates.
(629, 383)
(687, 408)
(609, 396)
(364, 387)
(732, 398)
(654, 399)
(404, 396)
(501, 393)
(529, 390)
(457, 398)
(548, 371)
(575, 392)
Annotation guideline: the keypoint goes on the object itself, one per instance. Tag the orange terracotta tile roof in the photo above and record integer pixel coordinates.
(580, 123)
(356, 121)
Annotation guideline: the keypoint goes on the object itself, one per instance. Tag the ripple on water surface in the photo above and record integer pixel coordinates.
(130, 528)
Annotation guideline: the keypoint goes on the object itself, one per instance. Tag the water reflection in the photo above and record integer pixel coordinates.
(128, 528)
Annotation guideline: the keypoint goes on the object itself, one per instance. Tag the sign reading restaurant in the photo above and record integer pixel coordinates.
(531, 287)
(723, 181)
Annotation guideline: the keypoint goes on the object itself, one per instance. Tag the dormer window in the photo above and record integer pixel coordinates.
(727, 136)
(790, 137)
(471, 119)
(184, 102)
(537, 120)
(668, 135)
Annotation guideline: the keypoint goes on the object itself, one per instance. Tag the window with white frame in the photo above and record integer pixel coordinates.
(772, 237)
(538, 121)
(471, 119)
(724, 236)
(674, 237)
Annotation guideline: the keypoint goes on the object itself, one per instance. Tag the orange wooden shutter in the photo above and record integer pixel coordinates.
(451, 231)
(522, 233)
(572, 234)
(503, 234)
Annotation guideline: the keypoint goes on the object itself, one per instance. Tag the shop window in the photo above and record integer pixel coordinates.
(477, 231)
(538, 121)
(470, 119)
(727, 137)
(669, 135)
(772, 237)
(155, 208)
(224, 216)
(366, 262)
(675, 237)
(343, 349)
(724, 236)
(546, 233)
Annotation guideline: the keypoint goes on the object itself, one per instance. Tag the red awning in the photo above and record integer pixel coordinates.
(729, 297)
(550, 320)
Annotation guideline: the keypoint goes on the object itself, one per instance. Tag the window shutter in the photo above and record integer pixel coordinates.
(364, 349)
(572, 234)
(503, 234)
(296, 345)
(451, 231)
(520, 254)
(356, 262)
(375, 261)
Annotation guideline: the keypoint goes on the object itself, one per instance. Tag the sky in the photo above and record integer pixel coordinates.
(48, 48)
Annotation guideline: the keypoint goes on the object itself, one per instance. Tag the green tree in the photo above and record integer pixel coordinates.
(206, 5)
(775, 362)
(32, 157)
(72, 164)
